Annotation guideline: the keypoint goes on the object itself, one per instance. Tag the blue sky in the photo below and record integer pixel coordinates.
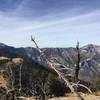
(54, 23)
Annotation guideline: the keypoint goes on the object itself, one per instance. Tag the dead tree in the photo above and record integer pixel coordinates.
(11, 77)
(51, 64)
(78, 62)
(20, 78)
(35, 44)
(10, 91)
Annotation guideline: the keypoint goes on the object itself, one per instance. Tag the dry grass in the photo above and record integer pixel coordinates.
(75, 97)
(3, 82)
(17, 60)
(27, 98)
(4, 58)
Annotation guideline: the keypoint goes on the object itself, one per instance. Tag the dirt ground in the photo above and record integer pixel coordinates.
(75, 97)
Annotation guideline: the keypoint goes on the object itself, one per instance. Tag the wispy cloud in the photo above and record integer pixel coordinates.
(58, 28)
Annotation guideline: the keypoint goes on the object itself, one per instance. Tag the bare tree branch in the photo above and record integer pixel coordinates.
(52, 64)
(74, 84)
(33, 39)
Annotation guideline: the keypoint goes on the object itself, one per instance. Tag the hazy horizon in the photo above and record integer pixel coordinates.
(54, 23)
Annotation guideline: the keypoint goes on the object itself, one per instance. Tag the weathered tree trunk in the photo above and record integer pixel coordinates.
(78, 62)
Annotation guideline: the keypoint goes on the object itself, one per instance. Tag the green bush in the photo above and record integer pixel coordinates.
(55, 86)
(96, 84)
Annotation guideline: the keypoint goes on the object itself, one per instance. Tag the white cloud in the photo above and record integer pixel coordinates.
(56, 32)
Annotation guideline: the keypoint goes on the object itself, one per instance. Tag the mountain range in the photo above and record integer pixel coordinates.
(64, 58)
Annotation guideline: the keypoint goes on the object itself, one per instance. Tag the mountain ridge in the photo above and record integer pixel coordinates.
(89, 55)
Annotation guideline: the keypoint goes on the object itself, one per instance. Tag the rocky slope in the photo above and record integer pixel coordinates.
(65, 58)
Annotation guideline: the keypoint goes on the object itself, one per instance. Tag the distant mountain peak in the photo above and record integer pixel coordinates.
(89, 46)
(3, 45)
